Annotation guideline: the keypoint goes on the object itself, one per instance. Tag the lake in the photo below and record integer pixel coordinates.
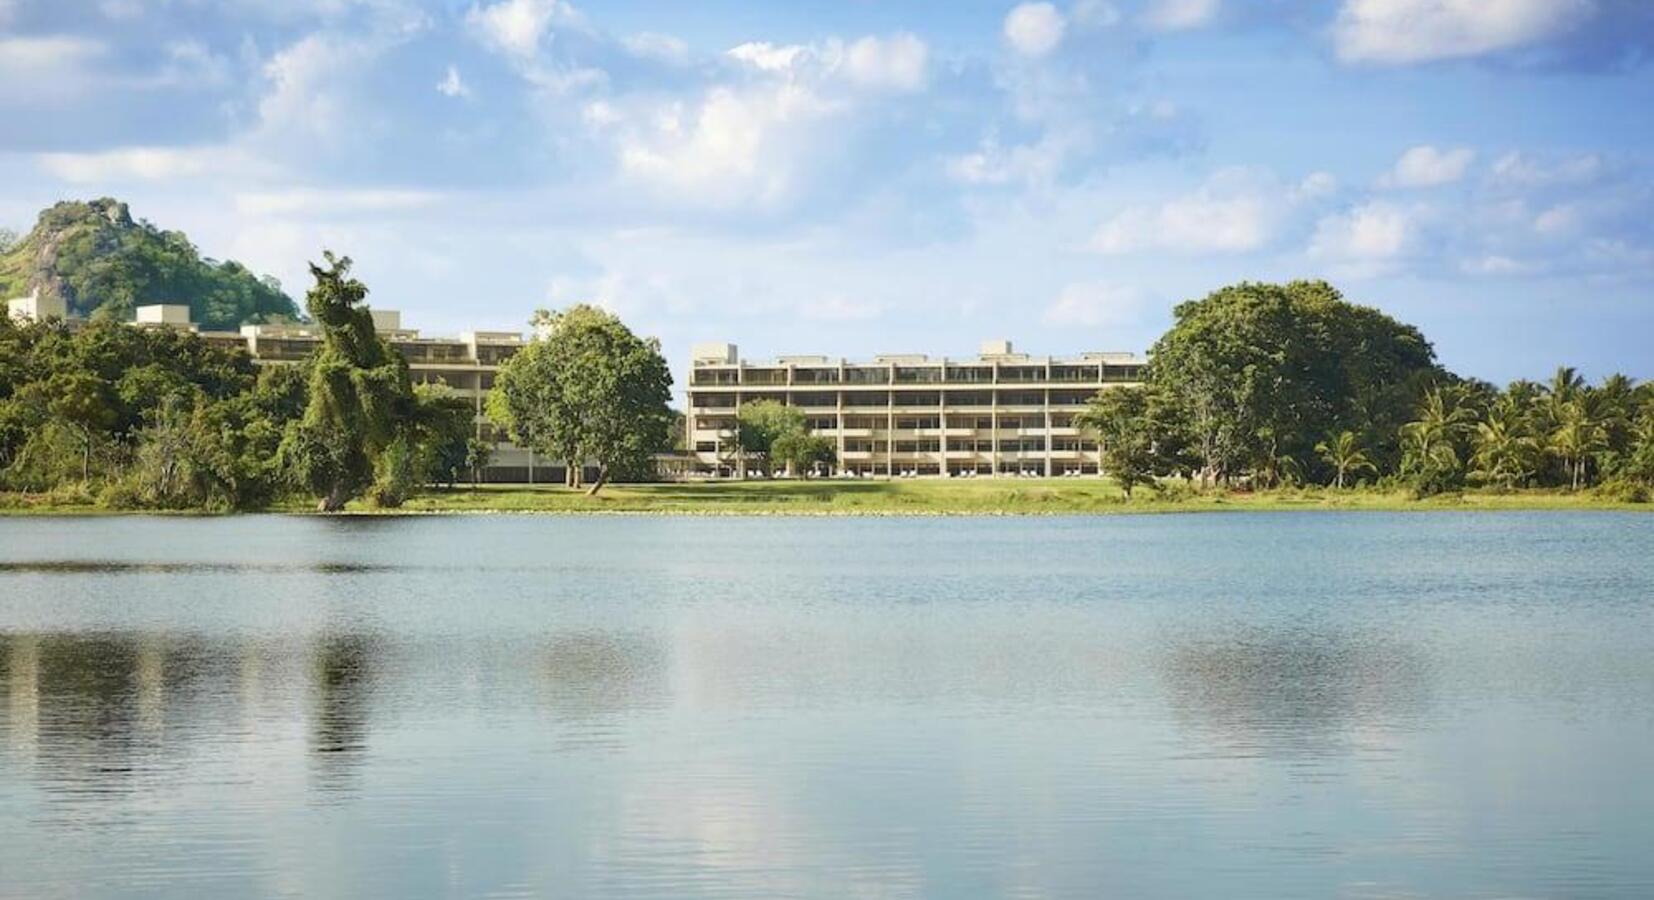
(1230, 705)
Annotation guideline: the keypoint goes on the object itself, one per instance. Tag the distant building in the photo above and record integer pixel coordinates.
(999, 413)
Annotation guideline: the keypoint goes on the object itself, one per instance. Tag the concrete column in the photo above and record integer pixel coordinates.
(942, 420)
(1048, 428)
(993, 413)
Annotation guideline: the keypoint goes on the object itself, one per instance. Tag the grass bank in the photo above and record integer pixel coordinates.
(974, 497)
(1056, 496)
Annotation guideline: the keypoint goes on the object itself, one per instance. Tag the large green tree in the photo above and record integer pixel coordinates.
(1262, 371)
(587, 389)
(360, 401)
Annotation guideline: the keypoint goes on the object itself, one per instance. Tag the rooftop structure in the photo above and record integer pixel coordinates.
(35, 307)
(998, 413)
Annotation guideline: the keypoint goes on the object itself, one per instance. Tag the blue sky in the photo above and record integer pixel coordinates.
(877, 176)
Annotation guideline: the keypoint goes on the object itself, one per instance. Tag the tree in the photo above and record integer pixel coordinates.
(1261, 370)
(478, 454)
(360, 400)
(1578, 434)
(803, 453)
(760, 425)
(587, 389)
(1430, 443)
(444, 424)
(1121, 420)
(80, 402)
(1345, 455)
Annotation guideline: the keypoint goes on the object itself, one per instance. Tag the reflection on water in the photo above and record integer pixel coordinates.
(342, 683)
(1292, 691)
(1275, 706)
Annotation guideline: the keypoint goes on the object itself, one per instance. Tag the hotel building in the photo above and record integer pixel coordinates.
(1000, 413)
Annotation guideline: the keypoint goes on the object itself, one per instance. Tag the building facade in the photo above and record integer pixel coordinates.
(1000, 413)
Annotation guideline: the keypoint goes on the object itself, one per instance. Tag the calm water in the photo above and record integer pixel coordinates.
(1277, 705)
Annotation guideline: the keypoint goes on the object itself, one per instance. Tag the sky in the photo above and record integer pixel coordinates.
(876, 176)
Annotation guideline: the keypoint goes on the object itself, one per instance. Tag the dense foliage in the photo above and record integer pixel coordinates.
(1263, 385)
(156, 418)
(357, 427)
(105, 264)
(587, 389)
(774, 435)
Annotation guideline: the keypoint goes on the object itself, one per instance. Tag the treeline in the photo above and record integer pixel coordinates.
(141, 418)
(1262, 386)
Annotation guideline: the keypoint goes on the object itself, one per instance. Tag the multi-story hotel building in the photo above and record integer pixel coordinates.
(466, 364)
(1000, 413)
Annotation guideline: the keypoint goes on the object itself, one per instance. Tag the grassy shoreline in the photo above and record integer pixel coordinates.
(1031, 497)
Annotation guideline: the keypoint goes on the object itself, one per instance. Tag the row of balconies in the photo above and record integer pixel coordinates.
(984, 455)
(881, 376)
(1029, 431)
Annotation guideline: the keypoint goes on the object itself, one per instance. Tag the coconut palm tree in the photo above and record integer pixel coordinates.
(1345, 455)
(1504, 454)
(1430, 442)
(1578, 434)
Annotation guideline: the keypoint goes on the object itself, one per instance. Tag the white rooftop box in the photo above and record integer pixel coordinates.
(386, 319)
(37, 308)
(171, 314)
(717, 354)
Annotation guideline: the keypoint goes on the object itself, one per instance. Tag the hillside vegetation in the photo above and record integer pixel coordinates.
(104, 264)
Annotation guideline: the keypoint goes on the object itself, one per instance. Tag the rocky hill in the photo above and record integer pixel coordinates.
(103, 262)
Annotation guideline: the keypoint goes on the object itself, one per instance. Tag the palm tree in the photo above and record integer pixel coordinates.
(1430, 442)
(1504, 454)
(1345, 455)
(1578, 434)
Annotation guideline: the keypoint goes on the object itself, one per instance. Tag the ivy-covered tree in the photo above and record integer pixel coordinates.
(360, 401)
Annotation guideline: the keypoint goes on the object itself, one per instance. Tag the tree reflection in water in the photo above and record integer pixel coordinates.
(1294, 691)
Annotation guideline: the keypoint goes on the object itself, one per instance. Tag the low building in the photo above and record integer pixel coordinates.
(999, 413)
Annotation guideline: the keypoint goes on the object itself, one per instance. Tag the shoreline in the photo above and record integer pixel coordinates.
(897, 499)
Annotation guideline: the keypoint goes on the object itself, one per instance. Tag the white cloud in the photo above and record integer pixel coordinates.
(306, 81)
(1317, 185)
(1034, 29)
(307, 202)
(452, 85)
(1373, 233)
(1413, 31)
(518, 26)
(52, 65)
(1236, 211)
(1519, 170)
(141, 164)
(897, 62)
(653, 45)
(1175, 15)
(735, 148)
(1096, 304)
(768, 57)
(1426, 166)
(1035, 164)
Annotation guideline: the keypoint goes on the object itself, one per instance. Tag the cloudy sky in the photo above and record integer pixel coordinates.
(862, 176)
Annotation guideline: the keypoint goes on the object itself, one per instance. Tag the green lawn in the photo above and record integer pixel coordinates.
(910, 497)
(972, 497)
